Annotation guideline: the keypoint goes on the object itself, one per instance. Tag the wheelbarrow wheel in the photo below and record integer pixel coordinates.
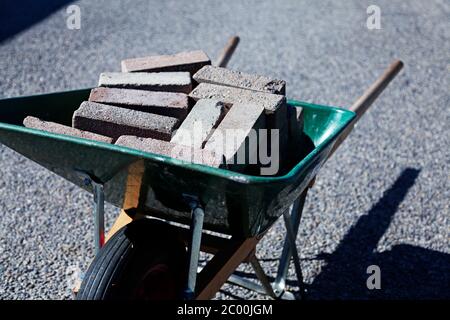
(145, 260)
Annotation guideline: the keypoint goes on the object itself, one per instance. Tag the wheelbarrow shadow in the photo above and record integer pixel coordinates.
(407, 271)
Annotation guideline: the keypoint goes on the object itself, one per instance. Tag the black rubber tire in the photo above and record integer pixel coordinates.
(145, 260)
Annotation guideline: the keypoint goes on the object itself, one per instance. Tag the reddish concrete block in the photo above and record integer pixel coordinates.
(35, 123)
(170, 149)
(114, 121)
(231, 78)
(158, 81)
(190, 61)
(171, 104)
(199, 124)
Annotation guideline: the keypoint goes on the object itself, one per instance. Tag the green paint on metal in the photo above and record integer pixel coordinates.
(235, 203)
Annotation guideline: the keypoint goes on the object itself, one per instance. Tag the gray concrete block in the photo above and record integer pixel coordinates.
(279, 121)
(229, 95)
(158, 81)
(279, 118)
(190, 61)
(295, 121)
(36, 123)
(199, 124)
(171, 104)
(281, 150)
(231, 78)
(236, 136)
(114, 121)
(275, 109)
(299, 143)
(273, 104)
(170, 149)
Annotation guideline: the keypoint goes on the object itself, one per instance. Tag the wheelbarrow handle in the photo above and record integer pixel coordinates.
(370, 95)
(365, 101)
(227, 52)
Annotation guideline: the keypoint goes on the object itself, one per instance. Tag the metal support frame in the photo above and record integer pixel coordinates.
(279, 284)
(290, 237)
(99, 209)
(262, 277)
(196, 228)
(277, 289)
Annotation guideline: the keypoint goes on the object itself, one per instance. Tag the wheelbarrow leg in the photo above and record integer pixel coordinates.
(99, 209)
(277, 288)
(194, 247)
(264, 288)
(262, 277)
(292, 225)
(295, 256)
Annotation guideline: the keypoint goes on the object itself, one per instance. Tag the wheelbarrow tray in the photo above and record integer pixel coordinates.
(234, 203)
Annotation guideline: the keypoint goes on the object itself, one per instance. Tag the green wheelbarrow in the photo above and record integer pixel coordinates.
(172, 210)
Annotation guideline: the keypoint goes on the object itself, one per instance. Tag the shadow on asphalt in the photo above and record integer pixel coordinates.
(17, 16)
(407, 272)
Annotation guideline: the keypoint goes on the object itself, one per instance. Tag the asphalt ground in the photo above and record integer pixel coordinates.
(383, 199)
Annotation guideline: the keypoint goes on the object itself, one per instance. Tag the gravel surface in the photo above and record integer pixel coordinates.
(383, 198)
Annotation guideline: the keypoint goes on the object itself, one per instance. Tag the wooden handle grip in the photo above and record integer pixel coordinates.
(227, 52)
(365, 101)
